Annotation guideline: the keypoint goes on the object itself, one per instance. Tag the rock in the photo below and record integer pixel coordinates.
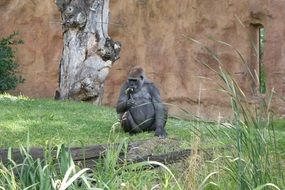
(153, 34)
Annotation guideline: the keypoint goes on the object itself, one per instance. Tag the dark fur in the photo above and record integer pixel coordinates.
(140, 109)
(136, 72)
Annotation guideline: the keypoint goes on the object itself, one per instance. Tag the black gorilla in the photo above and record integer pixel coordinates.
(139, 105)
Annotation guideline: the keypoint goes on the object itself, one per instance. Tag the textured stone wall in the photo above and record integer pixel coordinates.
(38, 23)
(154, 34)
(275, 50)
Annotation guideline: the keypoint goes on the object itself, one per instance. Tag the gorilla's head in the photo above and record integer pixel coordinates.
(135, 79)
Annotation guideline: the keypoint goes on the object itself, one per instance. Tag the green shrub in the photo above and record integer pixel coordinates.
(8, 66)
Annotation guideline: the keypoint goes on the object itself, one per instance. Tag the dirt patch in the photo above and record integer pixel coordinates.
(155, 146)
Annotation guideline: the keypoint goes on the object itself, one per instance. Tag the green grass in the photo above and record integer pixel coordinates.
(58, 121)
(77, 123)
(68, 122)
(254, 159)
(62, 173)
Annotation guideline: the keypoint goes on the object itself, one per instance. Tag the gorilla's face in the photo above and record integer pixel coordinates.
(135, 83)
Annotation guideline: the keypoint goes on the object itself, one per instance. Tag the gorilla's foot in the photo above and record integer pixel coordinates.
(160, 133)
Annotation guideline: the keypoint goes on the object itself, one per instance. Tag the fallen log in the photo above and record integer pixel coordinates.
(167, 158)
(86, 156)
(77, 153)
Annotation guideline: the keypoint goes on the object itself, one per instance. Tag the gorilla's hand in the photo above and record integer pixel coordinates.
(130, 103)
(129, 90)
(160, 132)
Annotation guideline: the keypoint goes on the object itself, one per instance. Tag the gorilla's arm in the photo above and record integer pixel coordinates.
(160, 112)
(122, 101)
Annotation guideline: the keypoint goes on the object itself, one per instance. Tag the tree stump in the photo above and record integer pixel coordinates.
(88, 52)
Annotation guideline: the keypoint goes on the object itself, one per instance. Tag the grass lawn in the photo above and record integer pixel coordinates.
(78, 123)
(69, 122)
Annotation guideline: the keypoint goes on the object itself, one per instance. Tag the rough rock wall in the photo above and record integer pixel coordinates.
(275, 50)
(38, 23)
(154, 35)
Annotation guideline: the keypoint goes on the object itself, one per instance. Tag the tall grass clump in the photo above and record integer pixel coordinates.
(251, 159)
(57, 171)
(116, 171)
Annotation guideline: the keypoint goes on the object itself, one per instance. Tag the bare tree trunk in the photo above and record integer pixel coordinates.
(88, 51)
